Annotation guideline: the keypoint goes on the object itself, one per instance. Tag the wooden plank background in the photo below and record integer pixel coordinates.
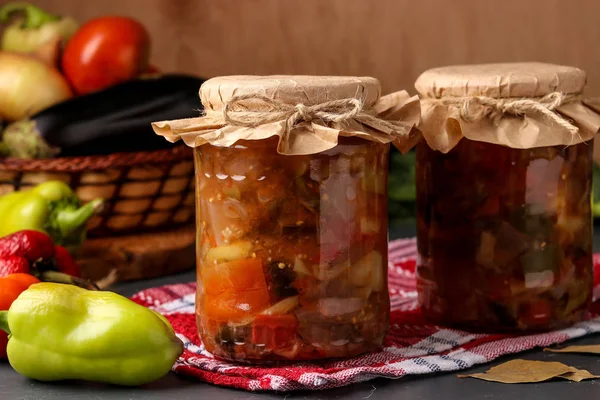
(393, 40)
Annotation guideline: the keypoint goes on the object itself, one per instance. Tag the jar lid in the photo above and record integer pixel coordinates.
(308, 113)
(290, 89)
(500, 80)
(519, 105)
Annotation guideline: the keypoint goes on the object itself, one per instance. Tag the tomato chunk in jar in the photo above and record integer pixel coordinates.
(505, 236)
(292, 251)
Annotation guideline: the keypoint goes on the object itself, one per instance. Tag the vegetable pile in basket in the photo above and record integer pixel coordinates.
(75, 90)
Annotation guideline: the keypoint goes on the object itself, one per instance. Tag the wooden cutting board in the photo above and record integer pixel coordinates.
(139, 256)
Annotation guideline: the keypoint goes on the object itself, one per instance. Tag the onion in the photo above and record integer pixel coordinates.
(233, 252)
(325, 272)
(234, 209)
(336, 307)
(28, 85)
(300, 268)
(368, 271)
(283, 307)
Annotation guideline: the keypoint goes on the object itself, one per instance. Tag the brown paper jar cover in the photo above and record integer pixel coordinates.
(443, 125)
(387, 119)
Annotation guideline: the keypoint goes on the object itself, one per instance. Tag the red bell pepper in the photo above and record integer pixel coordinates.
(34, 253)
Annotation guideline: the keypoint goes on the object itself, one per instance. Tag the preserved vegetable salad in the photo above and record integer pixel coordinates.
(505, 235)
(292, 250)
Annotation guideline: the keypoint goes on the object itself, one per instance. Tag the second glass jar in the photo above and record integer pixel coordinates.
(505, 235)
(292, 251)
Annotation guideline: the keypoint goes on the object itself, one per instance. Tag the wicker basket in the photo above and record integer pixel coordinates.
(143, 191)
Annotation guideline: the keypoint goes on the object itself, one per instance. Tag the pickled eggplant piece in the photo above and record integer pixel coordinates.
(504, 236)
(292, 261)
(282, 277)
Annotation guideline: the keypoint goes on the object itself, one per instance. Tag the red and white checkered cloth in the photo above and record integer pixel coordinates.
(412, 347)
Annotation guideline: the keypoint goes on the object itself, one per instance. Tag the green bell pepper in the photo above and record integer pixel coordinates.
(60, 332)
(50, 207)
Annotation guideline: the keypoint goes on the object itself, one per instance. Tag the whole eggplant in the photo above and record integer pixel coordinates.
(113, 120)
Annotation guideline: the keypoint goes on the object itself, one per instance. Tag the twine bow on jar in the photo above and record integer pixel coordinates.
(304, 114)
(236, 113)
(478, 107)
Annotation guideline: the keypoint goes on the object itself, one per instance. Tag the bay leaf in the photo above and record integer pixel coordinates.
(589, 349)
(527, 371)
(579, 375)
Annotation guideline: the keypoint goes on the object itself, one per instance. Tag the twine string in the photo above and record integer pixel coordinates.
(475, 108)
(236, 113)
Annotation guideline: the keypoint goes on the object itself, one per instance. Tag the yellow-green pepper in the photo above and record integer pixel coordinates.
(60, 332)
(50, 207)
(34, 29)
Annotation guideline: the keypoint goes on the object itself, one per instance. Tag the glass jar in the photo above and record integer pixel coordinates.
(504, 176)
(292, 207)
(505, 235)
(292, 250)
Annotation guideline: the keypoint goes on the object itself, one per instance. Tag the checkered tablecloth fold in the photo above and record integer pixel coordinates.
(412, 347)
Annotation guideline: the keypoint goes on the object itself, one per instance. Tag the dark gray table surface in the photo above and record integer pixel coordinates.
(441, 386)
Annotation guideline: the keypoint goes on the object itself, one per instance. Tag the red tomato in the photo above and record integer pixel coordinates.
(25, 280)
(106, 51)
(152, 69)
(11, 286)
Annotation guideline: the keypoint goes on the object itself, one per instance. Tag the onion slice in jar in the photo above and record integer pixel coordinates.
(300, 267)
(283, 307)
(377, 277)
(233, 208)
(569, 226)
(369, 226)
(232, 252)
(363, 293)
(368, 271)
(232, 192)
(327, 272)
(336, 307)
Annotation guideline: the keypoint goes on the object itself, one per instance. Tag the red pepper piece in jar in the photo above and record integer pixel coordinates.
(236, 306)
(236, 276)
(537, 314)
(235, 290)
(274, 331)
